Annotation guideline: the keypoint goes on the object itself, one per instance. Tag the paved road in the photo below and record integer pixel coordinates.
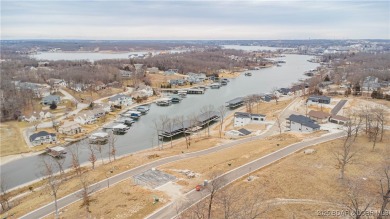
(47, 209)
(171, 210)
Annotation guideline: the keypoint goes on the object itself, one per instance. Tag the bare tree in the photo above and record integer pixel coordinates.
(357, 200)
(4, 195)
(346, 153)
(111, 146)
(217, 182)
(54, 180)
(86, 192)
(279, 124)
(208, 112)
(385, 190)
(185, 125)
(74, 151)
(100, 149)
(275, 94)
(92, 155)
(222, 112)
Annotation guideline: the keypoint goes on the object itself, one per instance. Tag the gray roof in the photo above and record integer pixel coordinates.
(118, 96)
(40, 134)
(305, 121)
(338, 107)
(235, 101)
(51, 98)
(319, 98)
(246, 115)
(244, 131)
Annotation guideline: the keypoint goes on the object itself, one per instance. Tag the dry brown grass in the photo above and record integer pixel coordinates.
(123, 200)
(88, 96)
(315, 177)
(158, 79)
(11, 138)
(229, 74)
(228, 159)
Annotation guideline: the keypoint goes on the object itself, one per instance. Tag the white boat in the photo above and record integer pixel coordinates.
(182, 93)
(215, 85)
(164, 101)
(120, 129)
(98, 138)
(248, 74)
(143, 109)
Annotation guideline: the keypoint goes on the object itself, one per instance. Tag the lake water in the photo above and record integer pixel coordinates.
(142, 134)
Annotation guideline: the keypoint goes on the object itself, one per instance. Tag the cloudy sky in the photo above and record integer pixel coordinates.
(137, 20)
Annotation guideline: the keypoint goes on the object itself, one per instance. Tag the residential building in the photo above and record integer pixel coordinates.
(242, 119)
(301, 123)
(153, 70)
(78, 87)
(319, 116)
(58, 82)
(371, 83)
(69, 128)
(43, 137)
(48, 100)
(99, 86)
(45, 114)
(284, 91)
(104, 106)
(120, 99)
(126, 74)
(32, 117)
(338, 119)
(85, 117)
(318, 100)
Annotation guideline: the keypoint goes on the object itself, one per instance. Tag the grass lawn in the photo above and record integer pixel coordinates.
(12, 141)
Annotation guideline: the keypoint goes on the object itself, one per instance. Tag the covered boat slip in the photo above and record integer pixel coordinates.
(236, 102)
(188, 126)
(57, 152)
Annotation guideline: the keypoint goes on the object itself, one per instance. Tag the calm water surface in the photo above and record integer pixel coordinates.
(142, 134)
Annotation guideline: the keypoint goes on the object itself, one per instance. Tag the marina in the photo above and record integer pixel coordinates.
(141, 135)
(98, 138)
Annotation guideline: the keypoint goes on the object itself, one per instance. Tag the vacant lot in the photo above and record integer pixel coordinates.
(12, 141)
(301, 185)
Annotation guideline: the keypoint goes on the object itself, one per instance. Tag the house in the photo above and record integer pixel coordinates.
(48, 100)
(114, 84)
(98, 113)
(104, 106)
(301, 123)
(85, 117)
(171, 71)
(318, 99)
(32, 117)
(57, 82)
(179, 82)
(284, 91)
(45, 114)
(338, 119)
(319, 116)
(99, 86)
(242, 119)
(153, 70)
(77, 87)
(143, 91)
(196, 77)
(267, 97)
(120, 99)
(34, 88)
(371, 83)
(69, 128)
(44, 92)
(43, 64)
(43, 137)
(126, 74)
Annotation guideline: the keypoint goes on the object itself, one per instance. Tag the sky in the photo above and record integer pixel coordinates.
(195, 20)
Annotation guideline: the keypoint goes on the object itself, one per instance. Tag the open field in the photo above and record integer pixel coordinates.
(302, 184)
(88, 96)
(11, 138)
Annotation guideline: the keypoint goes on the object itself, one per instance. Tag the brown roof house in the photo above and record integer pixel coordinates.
(338, 119)
(319, 116)
(69, 128)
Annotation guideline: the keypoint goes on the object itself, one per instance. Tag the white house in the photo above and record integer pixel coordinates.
(69, 128)
(85, 117)
(120, 99)
(371, 83)
(45, 114)
(301, 123)
(32, 117)
(153, 70)
(104, 106)
(242, 119)
(43, 137)
(57, 82)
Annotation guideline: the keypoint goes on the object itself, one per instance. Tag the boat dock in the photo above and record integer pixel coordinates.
(188, 126)
(236, 102)
(56, 152)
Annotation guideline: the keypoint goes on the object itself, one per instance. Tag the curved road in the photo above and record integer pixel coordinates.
(232, 175)
(171, 210)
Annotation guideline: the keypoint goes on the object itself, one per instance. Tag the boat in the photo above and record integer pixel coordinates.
(281, 61)
(223, 82)
(182, 93)
(225, 79)
(120, 129)
(164, 101)
(143, 109)
(175, 99)
(133, 114)
(56, 152)
(248, 73)
(215, 85)
(98, 138)
(278, 65)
